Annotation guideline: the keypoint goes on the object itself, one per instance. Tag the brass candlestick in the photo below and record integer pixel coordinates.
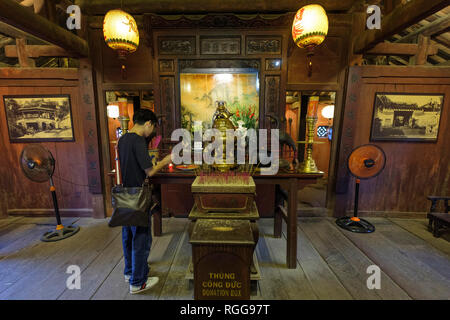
(123, 118)
(124, 123)
(309, 165)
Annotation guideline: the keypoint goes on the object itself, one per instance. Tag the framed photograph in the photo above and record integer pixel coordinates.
(406, 116)
(39, 118)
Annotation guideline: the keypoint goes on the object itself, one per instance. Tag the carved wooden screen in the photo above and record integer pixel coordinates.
(218, 41)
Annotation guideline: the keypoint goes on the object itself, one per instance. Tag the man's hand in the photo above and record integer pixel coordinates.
(161, 164)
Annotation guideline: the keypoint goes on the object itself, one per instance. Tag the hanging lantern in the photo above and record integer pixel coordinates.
(121, 33)
(309, 29)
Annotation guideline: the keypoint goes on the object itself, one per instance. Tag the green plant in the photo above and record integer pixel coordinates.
(247, 114)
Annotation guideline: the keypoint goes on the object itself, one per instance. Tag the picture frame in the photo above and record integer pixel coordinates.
(406, 116)
(39, 118)
(201, 88)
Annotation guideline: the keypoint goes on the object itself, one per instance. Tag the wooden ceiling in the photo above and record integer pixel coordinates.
(436, 26)
(96, 7)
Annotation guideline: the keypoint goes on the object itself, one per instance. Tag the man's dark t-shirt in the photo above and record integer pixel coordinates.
(134, 159)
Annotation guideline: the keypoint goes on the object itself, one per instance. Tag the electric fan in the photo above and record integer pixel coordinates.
(38, 165)
(365, 162)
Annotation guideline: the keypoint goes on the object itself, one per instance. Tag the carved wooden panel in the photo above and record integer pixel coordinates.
(166, 65)
(211, 21)
(167, 85)
(273, 64)
(218, 63)
(272, 94)
(176, 45)
(231, 45)
(263, 45)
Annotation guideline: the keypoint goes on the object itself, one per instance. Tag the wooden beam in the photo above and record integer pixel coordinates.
(64, 74)
(407, 49)
(5, 65)
(100, 7)
(24, 60)
(435, 27)
(400, 60)
(358, 6)
(17, 33)
(13, 13)
(5, 41)
(443, 39)
(36, 51)
(399, 19)
(388, 6)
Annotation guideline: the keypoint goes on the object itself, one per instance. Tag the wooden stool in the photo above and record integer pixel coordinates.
(437, 220)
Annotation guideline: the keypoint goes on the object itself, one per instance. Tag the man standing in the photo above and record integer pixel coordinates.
(136, 165)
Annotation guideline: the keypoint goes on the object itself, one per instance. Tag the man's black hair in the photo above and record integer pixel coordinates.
(141, 116)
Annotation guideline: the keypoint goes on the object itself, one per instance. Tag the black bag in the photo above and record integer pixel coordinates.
(132, 206)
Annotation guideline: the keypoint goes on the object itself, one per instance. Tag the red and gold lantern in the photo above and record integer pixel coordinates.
(121, 33)
(310, 28)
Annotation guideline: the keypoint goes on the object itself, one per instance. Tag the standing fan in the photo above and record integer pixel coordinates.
(365, 162)
(38, 165)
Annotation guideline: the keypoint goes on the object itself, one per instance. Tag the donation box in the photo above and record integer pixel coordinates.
(222, 251)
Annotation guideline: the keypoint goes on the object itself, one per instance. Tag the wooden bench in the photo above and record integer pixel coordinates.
(437, 220)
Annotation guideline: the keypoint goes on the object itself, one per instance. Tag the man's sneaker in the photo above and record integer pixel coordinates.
(151, 282)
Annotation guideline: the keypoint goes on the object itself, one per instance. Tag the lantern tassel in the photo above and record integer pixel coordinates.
(309, 67)
(123, 72)
(309, 55)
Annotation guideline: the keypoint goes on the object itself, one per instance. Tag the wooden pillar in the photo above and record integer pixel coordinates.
(347, 138)
(90, 137)
(420, 58)
(358, 26)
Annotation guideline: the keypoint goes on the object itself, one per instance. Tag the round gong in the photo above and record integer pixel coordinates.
(366, 161)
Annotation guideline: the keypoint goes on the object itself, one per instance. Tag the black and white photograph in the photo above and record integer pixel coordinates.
(405, 116)
(39, 118)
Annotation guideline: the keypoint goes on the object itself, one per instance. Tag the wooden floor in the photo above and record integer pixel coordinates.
(332, 263)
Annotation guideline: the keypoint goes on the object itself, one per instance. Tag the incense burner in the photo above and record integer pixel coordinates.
(224, 193)
(221, 121)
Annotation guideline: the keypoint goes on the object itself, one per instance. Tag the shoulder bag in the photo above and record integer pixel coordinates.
(132, 206)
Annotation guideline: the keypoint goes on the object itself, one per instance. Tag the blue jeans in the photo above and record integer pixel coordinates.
(136, 249)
